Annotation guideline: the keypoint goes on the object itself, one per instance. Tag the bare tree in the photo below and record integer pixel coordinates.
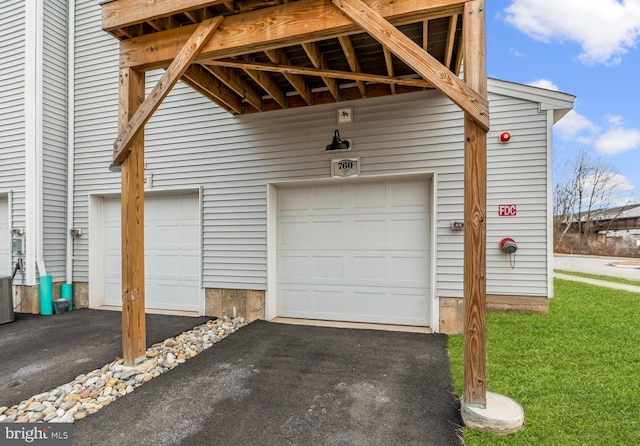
(591, 185)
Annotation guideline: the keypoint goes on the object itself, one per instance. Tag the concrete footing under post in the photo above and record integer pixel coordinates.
(502, 415)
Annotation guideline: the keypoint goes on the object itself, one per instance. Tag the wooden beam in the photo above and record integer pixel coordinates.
(470, 100)
(265, 81)
(451, 38)
(198, 78)
(123, 13)
(130, 98)
(475, 206)
(388, 61)
(297, 82)
(177, 68)
(234, 82)
(295, 70)
(313, 52)
(270, 28)
(352, 60)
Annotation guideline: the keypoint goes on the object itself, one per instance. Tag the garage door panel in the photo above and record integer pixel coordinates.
(410, 270)
(292, 234)
(328, 267)
(369, 233)
(370, 256)
(328, 303)
(403, 305)
(190, 235)
(409, 194)
(368, 196)
(369, 268)
(294, 301)
(370, 304)
(327, 198)
(409, 233)
(294, 267)
(327, 234)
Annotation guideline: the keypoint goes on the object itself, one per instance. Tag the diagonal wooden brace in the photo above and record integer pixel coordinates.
(160, 91)
(469, 100)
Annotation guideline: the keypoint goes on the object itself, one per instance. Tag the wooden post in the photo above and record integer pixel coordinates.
(475, 204)
(131, 96)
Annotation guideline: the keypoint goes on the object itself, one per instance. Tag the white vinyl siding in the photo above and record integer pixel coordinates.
(54, 153)
(96, 120)
(12, 105)
(517, 174)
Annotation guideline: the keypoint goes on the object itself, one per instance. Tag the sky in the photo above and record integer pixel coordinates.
(587, 48)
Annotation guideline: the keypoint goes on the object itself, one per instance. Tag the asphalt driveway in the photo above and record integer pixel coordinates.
(277, 384)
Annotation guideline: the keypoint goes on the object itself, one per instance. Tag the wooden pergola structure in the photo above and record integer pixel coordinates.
(250, 56)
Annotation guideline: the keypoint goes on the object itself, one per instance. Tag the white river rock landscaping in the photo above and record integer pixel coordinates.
(90, 392)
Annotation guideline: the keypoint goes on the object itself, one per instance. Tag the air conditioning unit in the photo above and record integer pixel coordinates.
(6, 301)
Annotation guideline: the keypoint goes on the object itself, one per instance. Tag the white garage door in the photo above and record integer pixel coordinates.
(355, 252)
(5, 237)
(172, 252)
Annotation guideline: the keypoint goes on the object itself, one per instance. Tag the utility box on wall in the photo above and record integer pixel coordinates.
(6, 301)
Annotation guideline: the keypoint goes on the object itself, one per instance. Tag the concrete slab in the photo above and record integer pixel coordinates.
(502, 415)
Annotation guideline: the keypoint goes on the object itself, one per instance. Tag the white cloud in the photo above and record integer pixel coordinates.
(614, 140)
(545, 83)
(605, 29)
(617, 139)
(575, 127)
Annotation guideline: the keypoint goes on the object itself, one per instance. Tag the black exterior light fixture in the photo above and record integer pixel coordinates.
(337, 143)
(114, 167)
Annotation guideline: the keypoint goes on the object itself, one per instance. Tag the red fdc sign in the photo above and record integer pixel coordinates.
(507, 210)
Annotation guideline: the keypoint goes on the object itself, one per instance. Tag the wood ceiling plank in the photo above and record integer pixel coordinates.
(278, 26)
(295, 70)
(123, 13)
(297, 82)
(211, 88)
(314, 54)
(474, 103)
(234, 82)
(352, 60)
(265, 81)
(175, 71)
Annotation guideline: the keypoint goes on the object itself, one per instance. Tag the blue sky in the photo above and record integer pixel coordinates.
(590, 49)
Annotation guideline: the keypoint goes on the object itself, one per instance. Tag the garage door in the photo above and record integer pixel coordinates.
(357, 251)
(172, 252)
(5, 237)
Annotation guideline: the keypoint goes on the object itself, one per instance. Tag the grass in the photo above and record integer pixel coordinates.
(575, 371)
(595, 276)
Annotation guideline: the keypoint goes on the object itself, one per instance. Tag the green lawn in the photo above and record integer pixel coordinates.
(575, 371)
(595, 276)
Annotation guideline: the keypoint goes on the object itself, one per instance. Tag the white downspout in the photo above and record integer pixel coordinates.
(33, 137)
(70, 133)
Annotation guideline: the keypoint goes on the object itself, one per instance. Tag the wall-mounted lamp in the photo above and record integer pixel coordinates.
(17, 232)
(113, 167)
(75, 232)
(337, 143)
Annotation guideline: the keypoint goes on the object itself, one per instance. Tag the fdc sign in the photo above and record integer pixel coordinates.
(507, 210)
